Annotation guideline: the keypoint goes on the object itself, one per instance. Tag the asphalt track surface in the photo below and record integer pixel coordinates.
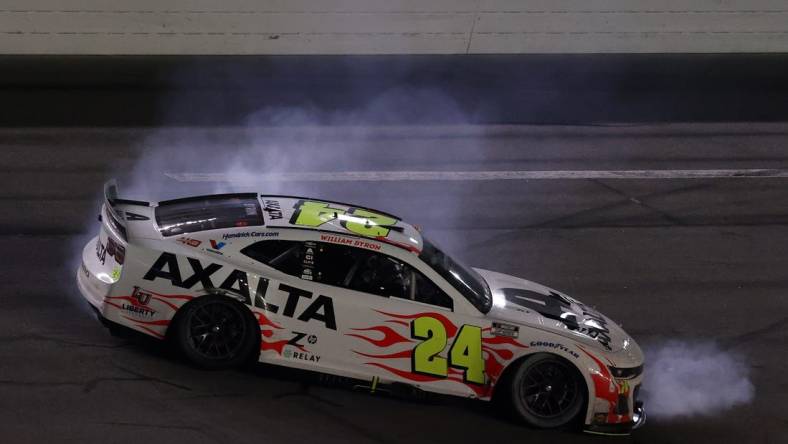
(684, 259)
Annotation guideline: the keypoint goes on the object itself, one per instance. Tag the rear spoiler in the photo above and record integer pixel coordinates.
(116, 218)
(111, 195)
(110, 198)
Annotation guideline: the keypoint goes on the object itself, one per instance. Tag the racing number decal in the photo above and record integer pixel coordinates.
(425, 357)
(363, 222)
(465, 353)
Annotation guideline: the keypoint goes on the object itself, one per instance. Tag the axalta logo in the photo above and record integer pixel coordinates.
(320, 308)
(273, 209)
(113, 249)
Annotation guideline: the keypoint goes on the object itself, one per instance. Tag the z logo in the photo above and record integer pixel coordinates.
(295, 341)
(298, 336)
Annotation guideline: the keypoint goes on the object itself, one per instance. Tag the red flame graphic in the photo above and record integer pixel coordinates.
(390, 337)
(265, 324)
(277, 346)
(605, 387)
(403, 354)
(418, 377)
(451, 329)
(159, 323)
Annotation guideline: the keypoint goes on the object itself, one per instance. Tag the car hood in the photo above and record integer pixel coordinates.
(530, 304)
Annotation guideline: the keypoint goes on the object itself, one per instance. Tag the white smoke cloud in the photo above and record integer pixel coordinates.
(280, 139)
(696, 378)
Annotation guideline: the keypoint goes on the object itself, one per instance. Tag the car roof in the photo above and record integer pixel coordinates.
(341, 218)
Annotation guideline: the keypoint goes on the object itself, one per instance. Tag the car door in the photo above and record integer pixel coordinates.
(399, 326)
(297, 314)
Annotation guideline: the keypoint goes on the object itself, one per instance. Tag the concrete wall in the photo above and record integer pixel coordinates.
(391, 27)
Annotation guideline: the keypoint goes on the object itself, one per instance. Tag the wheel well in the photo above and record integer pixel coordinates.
(503, 380)
(179, 314)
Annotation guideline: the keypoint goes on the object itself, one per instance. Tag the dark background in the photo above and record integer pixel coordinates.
(577, 89)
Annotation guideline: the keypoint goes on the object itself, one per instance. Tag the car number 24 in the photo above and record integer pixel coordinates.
(465, 353)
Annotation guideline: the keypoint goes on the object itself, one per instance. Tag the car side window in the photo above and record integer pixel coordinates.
(381, 275)
(427, 292)
(314, 261)
(386, 276)
(286, 256)
(334, 263)
(349, 267)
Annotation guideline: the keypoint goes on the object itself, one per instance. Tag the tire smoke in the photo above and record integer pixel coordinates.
(694, 378)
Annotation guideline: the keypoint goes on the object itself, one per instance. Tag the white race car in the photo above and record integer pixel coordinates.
(357, 293)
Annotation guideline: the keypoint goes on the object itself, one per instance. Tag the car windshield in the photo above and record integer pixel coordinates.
(465, 279)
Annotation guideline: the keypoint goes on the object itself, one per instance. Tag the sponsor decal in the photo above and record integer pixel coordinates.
(113, 249)
(360, 243)
(556, 346)
(363, 222)
(115, 275)
(138, 304)
(301, 356)
(308, 262)
(142, 296)
(599, 331)
(557, 307)
(244, 234)
(189, 241)
(85, 270)
(320, 308)
(298, 338)
(272, 208)
(217, 245)
(501, 329)
(622, 406)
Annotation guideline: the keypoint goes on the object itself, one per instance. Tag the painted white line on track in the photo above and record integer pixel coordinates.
(350, 176)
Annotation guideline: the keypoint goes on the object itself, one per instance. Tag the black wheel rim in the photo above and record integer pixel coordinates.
(549, 389)
(216, 331)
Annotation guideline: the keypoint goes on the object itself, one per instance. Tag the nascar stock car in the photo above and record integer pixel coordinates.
(359, 294)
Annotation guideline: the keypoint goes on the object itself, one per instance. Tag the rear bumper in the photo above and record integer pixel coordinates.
(92, 288)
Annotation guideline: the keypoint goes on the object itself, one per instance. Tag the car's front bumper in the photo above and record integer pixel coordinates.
(624, 428)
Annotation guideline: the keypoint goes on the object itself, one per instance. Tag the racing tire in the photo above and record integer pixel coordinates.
(546, 391)
(215, 332)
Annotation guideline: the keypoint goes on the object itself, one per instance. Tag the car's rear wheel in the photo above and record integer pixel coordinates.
(215, 332)
(546, 391)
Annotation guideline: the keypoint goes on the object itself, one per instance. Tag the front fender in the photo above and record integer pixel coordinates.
(613, 405)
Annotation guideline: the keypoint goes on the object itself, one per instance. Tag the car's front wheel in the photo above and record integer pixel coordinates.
(215, 332)
(546, 391)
